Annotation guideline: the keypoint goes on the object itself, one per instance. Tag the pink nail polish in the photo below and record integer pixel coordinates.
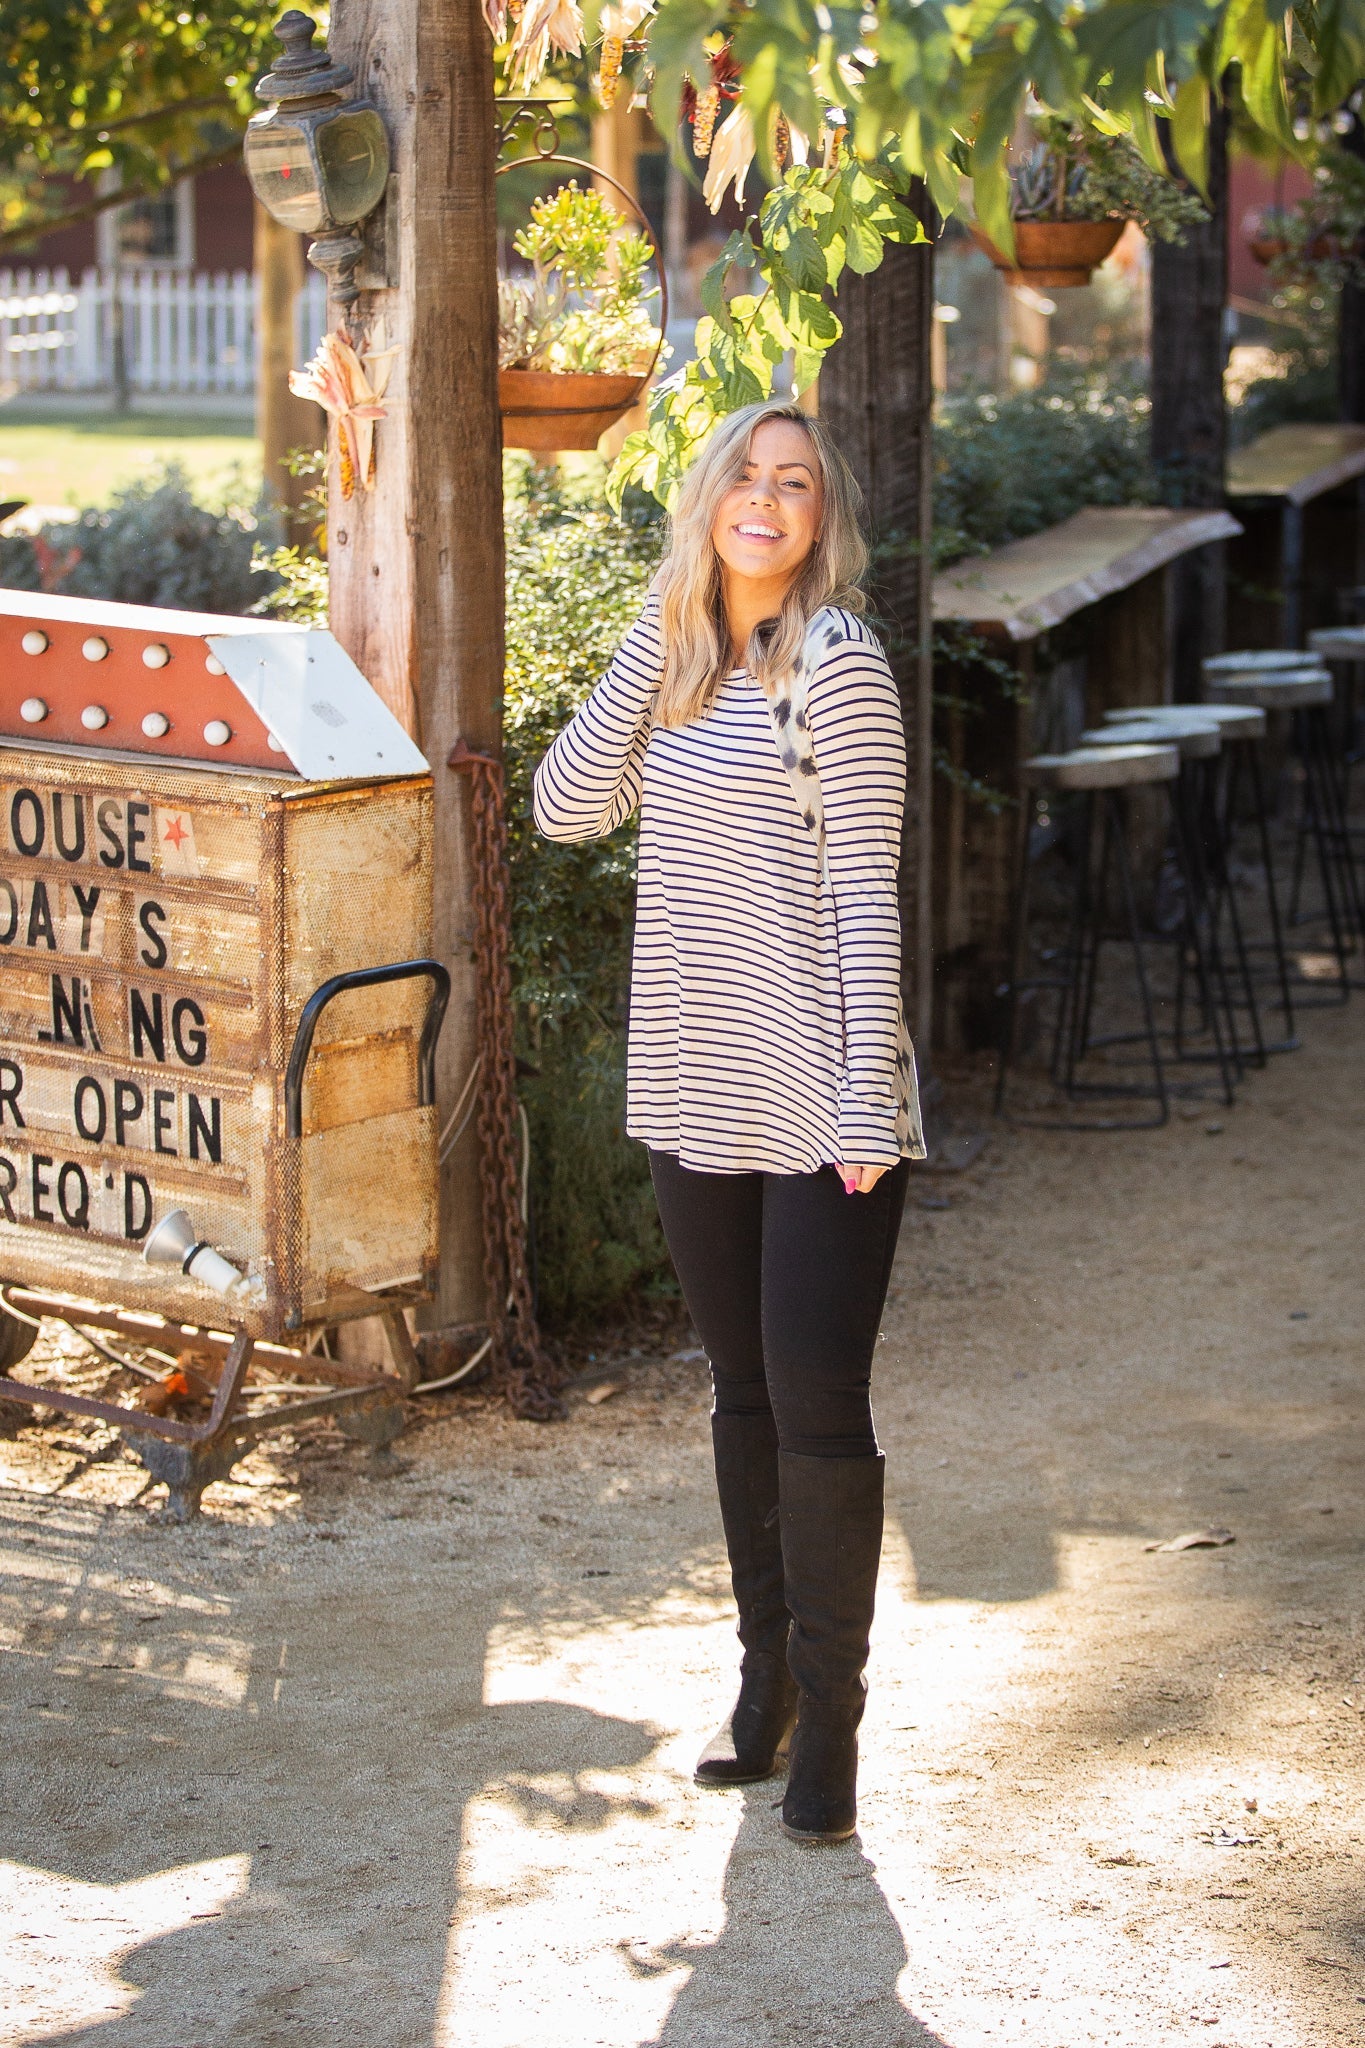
(850, 1184)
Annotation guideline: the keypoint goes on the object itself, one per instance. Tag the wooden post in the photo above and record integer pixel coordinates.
(416, 563)
(1351, 332)
(283, 421)
(616, 139)
(876, 397)
(1189, 417)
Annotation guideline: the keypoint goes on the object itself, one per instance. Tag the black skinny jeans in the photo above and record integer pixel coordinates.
(785, 1276)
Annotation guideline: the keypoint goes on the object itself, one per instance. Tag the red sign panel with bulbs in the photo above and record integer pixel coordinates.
(204, 822)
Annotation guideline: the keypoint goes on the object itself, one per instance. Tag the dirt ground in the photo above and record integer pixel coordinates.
(407, 1761)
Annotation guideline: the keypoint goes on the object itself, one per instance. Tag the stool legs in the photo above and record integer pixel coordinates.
(1252, 752)
(1076, 984)
(1321, 821)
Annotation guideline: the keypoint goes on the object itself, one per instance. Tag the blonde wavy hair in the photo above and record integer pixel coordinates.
(697, 654)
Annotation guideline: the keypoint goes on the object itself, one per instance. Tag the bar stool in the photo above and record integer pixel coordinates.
(1099, 775)
(1242, 728)
(1304, 693)
(1344, 647)
(1193, 794)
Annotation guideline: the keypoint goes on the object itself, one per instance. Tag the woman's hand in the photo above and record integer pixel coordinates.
(859, 1180)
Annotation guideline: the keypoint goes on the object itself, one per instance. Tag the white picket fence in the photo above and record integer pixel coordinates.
(191, 332)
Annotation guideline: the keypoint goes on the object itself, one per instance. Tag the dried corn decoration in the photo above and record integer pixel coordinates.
(782, 142)
(704, 120)
(609, 77)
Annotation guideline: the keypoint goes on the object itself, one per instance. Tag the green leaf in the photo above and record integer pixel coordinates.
(991, 197)
(713, 283)
(1190, 131)
(1340, 43)
(802, 260)
(865, 246)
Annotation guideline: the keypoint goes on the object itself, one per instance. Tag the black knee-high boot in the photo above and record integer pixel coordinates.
(831, 1548)
(752, 1742)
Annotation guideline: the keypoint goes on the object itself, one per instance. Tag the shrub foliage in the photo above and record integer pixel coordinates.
(152, 544)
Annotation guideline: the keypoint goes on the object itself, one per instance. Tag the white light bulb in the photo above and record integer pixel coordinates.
(34, 642)
(156, 725)
(156, 656)
(33, 711)
(95, 648)
(217, 732)
(94, 718)
(214, 666)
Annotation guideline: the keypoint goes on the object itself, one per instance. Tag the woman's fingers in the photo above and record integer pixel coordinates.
(859, 1180)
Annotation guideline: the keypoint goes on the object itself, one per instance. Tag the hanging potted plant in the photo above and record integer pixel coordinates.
(1072, 194)
(577, 335)
(1321, 238)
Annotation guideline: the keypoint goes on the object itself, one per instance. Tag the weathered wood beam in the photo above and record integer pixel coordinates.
(876, 397)
(416, 564)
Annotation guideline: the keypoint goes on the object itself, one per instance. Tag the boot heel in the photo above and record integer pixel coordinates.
(753, 1743)
(821, 1801)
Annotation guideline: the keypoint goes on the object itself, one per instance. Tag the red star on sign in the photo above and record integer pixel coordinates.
(176, 833)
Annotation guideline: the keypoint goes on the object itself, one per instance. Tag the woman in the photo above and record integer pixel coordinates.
(752, 716)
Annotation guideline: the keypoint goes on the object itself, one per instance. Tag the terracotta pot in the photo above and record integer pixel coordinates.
(545, 409)
(1056, 253)
(1322, 248)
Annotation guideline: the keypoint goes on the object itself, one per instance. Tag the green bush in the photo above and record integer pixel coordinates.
(597, 1236)
(1007, 467)
(576, 579)
(152, 544)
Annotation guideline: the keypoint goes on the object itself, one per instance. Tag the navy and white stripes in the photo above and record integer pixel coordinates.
(764, 999)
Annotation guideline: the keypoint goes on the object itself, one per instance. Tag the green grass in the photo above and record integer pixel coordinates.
(81, 461)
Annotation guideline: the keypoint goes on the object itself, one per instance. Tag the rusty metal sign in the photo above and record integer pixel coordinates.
(215, 994)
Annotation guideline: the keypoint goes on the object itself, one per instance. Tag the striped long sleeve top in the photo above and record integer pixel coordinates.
(764, 999)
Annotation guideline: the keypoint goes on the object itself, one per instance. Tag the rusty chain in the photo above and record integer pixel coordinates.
(521, 1365)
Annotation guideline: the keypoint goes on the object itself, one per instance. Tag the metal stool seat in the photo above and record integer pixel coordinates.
(1193, 739)
(1234, 721)
(1122, 767)
(1099, 775)
(1252, 661)
(1305, 691)
(1339, 643)
(1289, 689)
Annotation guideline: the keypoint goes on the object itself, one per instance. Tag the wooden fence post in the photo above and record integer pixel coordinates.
(283, 421)
(416, 564)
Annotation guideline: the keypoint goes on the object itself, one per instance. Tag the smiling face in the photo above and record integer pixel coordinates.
(769, 521)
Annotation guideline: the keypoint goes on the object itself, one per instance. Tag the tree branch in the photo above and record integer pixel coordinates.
(35, 231)
(203, 104)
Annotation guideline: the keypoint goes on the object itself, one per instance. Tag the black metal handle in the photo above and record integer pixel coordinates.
(368, 977)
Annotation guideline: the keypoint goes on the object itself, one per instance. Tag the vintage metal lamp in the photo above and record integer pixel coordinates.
(317, 161)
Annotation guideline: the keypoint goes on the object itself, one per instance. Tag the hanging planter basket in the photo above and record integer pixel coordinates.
(1268, 249)
(1054, 253)
(546, 410)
